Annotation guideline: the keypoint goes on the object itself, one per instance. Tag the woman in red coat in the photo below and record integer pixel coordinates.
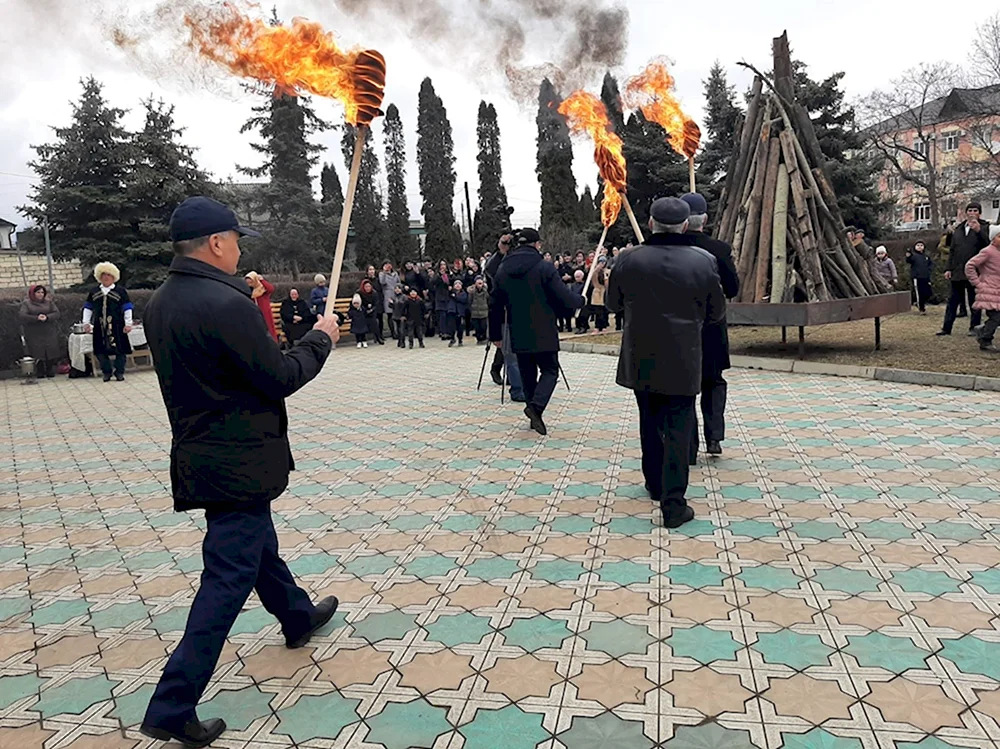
(261, 291)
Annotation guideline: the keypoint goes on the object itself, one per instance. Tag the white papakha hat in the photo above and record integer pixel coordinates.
(319, 278)
(101, 268)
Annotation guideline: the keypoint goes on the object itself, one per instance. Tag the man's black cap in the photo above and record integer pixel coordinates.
(670, 211)
(528, 236)
(202, 217)
(697, 203)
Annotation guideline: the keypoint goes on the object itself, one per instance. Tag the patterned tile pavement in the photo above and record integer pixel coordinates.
(840, 588)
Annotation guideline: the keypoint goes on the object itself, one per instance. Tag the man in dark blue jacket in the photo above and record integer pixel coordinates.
(529, 295)
(224, 382)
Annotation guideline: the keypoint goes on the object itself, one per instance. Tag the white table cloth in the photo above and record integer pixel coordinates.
(83, 343)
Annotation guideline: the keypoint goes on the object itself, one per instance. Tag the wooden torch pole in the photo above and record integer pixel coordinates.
(631, 217)
(601, 252)
(691, 173)
(345, 219)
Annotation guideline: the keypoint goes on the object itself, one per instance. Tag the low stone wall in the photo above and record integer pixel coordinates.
(66, 273)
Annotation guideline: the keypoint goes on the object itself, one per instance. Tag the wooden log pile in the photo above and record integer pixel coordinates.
(778, 207)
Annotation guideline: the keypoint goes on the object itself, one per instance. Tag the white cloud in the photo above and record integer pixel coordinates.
(47, 50)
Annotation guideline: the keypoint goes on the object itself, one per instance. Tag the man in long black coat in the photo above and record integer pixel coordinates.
(964, 243)
(224, 382)
(668, 290)
(529, 295)
(714, 338)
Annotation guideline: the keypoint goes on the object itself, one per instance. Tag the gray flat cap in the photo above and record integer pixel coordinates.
(670, 211)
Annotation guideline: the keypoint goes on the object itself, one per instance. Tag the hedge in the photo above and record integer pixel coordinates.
(71, 309)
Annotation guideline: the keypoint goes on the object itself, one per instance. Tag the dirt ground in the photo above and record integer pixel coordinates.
(908, 342)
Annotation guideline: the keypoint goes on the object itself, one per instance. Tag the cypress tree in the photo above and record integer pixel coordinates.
(164, 174)
(722, 116)
(331, 191)
(367, 218)
(491, 217)
(293, 223)
(612, 98)
(401, 245)
(560, 203)
(83, 188)
(589, 209)
(436, 163)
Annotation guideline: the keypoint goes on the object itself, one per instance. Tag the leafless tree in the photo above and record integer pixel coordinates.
(899, 126)
(984, 72)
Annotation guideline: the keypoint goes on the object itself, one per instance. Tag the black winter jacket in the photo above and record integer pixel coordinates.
(920, 265)
(963, 247)
(529, 295)
(224, 382)
(668, 291)
(715, 338)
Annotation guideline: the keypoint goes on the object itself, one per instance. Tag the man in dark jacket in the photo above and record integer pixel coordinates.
(224, 382)
(530, 296)
(964, 243)
(714, 338)
(668, 290)
(921, 268)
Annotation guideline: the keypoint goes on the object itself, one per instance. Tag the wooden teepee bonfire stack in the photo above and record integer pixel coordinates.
(779, 210)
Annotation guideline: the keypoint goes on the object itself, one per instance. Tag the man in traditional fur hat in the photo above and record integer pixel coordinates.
(108, 314)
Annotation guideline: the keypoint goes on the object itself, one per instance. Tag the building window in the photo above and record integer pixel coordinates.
(894, 183)
(922, 212)
(996, 204)
(920, 146)
(951, 141)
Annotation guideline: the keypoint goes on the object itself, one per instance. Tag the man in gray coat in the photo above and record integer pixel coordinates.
(668, 290)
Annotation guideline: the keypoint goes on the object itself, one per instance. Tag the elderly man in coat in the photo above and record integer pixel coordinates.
(668, 290)
(224, 382)
(715, 338)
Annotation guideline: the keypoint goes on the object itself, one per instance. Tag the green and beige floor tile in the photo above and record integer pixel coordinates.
(838, 590)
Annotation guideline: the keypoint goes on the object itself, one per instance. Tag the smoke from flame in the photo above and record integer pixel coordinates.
(300, 57)
(652, 91)
(586, 114)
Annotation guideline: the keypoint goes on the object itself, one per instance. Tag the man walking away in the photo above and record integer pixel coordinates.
(529, 296)
(714, 338)
(921, 266)
(983, 272)
(964, 243)
(224, 382)
(668, 290)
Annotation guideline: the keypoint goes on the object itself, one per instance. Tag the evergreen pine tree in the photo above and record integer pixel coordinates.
(293, 226)
(560, 203)
(83, 188)
(722, 116)
(436, 163)
(164, 174)
(589, 210)
(331, 191)
(854, 178)
(367, 217)
(401, 245)
(612, 98)
(491, 218)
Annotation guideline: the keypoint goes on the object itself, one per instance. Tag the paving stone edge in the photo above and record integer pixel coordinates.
(884, 374)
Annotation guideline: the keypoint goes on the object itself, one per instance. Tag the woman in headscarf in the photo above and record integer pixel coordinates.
(296, 317)
(108, 314)
(389, 279)
(38, 316)
(261, 290)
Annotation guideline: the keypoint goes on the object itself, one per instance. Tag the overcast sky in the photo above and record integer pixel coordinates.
(50, 44)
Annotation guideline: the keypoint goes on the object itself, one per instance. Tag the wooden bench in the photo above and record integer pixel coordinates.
(340, 306)
(138, 359)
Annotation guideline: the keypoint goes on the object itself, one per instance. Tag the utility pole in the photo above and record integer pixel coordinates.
(48, 255)
(468, 212)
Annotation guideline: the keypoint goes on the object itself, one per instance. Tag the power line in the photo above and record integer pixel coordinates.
(23, 176)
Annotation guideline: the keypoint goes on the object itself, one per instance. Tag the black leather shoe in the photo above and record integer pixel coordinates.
(196, 732)
(714, 447)
(107, 378)
(677, 519)
(495, 376)
(942, 332)
(120, 378)
(325, 610)
(536, 420)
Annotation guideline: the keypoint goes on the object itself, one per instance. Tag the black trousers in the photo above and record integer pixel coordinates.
(539, 375)
(105, 361)
(240, 552)
(988, 330)
(414, 328)
(714, 393)
(959, 291)
(600, 317)
(479, 326)
(393, 332)
(497, 365)
(922, 286)
(667, 424)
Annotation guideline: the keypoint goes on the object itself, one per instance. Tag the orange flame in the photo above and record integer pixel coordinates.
(586, 114)
(652, 91)
(298, 57)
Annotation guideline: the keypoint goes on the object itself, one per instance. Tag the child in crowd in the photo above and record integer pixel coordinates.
(597, 293)
(983, 272)
(359, 321)
(458, 305)
(920, 270)
(413, 317)
(480, 308)
(577, 288)
(317, 297)
(398, 313)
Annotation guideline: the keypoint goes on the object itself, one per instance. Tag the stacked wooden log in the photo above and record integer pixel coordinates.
(779, 210)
